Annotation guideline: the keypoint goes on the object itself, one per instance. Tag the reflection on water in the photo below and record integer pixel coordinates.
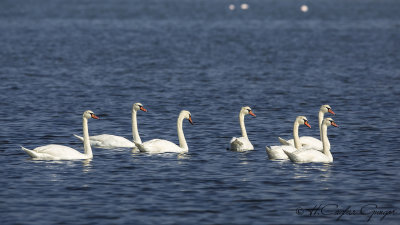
(183, 156)
(310, 170)
(243, 157)
(87, 166)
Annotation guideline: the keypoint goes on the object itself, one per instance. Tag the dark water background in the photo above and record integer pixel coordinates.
(60, 58)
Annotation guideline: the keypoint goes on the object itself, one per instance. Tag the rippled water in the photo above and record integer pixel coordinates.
(59, 58)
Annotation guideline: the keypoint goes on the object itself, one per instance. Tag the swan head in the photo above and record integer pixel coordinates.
(247, 110)
(186, 114)
(329, 122)
(89, 114)
(326, 109)
(303, 120)
(138, 106)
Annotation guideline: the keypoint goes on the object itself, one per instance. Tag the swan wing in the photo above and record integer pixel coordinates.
(311, 142)
(240, 144)
(307, 156)
(54, 152)
(159, 146)
(286, 142)
(277, 152)
(109, 141)
(306, 141)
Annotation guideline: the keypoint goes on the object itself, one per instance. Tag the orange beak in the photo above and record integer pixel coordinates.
(143, 109)
(334, 124)
(251, 113)
(331, 112)
(307, 124)
(190, 120)
(94, 116)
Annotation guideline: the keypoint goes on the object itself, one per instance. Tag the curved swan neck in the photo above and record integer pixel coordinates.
(325, 142)
(320, 119)
(86, 141)
(181, 136)
(296, 138)
(241, 122)
(135, 131)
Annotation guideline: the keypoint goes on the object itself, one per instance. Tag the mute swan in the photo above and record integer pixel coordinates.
(276, 152)
(60, 152)
(161, 146)
(307, 141)
(243, 143)
(113, 141)
(312, 155)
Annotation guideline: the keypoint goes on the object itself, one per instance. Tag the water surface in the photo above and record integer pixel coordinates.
(60, 58)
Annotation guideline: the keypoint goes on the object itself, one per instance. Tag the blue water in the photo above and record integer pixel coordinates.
(60, 58)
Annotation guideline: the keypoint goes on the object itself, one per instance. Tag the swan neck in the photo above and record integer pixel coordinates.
(320, 119)
(242, 127)
(181, 136)
(135, 131)
(86, 141)
(325, 142)
(296, 138)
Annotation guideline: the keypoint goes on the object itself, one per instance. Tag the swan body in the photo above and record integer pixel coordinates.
(243, 143)
(156, 146)
(60, 152)
(108, 141)
(54, 152)
(161, 146)
(277, 152)
(308, 141)
(112, 141)
(313, 155)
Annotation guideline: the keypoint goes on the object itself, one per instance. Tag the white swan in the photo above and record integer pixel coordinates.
(243, 143)
(276, 152)
(312, 155)
(161, 146)
(60, 152)
(307, 141)
(113, 141)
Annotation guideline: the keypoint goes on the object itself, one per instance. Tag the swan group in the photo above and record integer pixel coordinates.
(299, 149)
(277, 152)
(307, 141)
(113, 141)
(313, 155)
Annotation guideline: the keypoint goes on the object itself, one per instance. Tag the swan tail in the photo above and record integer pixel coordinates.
(79, 137)
(283, 141)
(31, 153)
(290, 155)
(236, 145)
(269, 152)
